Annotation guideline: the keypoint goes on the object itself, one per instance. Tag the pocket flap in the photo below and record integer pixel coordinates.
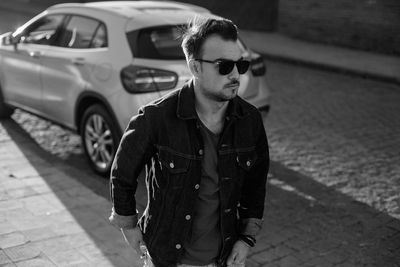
(246, 160)
(173, 162)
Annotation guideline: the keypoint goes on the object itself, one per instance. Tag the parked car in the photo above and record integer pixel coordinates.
(89, 67)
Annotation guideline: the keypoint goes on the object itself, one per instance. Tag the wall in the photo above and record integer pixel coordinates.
(372, 25)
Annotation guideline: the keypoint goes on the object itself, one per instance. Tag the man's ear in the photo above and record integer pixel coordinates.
(194, 67)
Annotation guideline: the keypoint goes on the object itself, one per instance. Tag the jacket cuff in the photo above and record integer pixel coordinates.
(121, 221)
(251, 226)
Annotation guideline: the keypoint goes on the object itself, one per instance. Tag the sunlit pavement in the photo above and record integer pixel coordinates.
(48, 218)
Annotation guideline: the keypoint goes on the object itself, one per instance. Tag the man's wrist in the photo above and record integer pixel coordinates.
(123, 222)
(248, 240)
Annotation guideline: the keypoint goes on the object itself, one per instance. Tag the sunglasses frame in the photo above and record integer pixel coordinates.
(218, 62)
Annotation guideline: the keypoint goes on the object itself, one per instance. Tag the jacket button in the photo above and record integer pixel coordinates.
(188, 217)
(178, 246)
(227, 210)
(197, 186)
(226, 178)
(248, 163)
(227, 239)
(201, 152)
(172, 165)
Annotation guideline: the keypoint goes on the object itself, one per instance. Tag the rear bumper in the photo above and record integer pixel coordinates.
(262, 100)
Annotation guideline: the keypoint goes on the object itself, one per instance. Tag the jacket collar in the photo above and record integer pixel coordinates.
(186, 104)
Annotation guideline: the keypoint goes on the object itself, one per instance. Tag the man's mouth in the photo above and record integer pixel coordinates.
(232, 85)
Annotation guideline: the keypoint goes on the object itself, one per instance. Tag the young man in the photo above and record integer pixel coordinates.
(206, 157)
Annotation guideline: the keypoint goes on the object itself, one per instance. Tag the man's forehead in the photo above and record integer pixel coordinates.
(215, 47)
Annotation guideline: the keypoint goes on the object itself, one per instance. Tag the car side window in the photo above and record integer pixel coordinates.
(100, 38)
(43, 31)
(83, 32)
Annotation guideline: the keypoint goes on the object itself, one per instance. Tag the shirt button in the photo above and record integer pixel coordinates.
(172, 165)
(187, 217)
(197, 186)
(178, 246)
(227, 210)
(248, 163)
(201, 152)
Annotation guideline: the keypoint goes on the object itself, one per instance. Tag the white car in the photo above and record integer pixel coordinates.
(89, 67)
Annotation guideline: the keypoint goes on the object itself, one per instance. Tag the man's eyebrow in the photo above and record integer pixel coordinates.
(223, 59)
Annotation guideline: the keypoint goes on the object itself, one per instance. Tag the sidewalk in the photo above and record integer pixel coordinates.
(48, 217)
(279, 47)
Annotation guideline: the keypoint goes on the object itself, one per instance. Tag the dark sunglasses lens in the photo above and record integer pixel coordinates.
(243, 66)
(225, 67)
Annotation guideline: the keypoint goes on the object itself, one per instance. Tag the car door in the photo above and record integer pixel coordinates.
(68, 64)
(21, 62)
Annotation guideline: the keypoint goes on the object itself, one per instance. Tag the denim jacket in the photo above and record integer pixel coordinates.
(164, 139)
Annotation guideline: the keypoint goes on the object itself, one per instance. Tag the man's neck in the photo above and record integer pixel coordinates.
(211, 113)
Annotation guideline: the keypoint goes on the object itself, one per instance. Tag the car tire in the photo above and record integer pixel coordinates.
(100, 138)
(5, 110)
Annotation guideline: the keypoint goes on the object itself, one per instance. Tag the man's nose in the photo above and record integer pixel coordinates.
(234, 73)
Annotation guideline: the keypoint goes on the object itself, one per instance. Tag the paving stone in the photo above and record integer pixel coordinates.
(52, 245)
(39, 234)
(8, 205)
(41, 261)
(289, 261)
(25, 221)
(6, 227)
(251, 263)
(22, 192)
(22, 252)
(79, 240)
(67, 257)
(66, 228)
(91, 252)
(264, 257)
(12, 239)
(4, 259)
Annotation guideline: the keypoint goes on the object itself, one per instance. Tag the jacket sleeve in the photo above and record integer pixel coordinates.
(252, 200)
(133, 152)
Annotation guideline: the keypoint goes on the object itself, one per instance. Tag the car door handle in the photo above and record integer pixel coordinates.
(35, 53)
(78, 61)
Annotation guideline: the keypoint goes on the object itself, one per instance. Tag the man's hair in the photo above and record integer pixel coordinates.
(200, 28)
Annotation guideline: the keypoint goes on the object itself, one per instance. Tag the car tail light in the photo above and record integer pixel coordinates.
(258, 66)
(136, 79)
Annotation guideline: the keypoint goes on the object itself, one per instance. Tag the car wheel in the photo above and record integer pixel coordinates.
(100, 137)
(5, 110)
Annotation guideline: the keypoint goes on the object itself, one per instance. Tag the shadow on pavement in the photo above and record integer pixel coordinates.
(310, 224)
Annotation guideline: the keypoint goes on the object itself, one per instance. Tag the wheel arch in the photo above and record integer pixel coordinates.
(87, 99)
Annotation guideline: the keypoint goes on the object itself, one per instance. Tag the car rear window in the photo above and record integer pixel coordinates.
(162, 42)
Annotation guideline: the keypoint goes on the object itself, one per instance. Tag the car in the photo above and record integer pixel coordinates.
(90, 66)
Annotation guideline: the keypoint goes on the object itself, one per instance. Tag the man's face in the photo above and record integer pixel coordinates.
(213, 85)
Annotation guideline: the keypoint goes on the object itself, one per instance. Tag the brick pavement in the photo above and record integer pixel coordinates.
(47, 217)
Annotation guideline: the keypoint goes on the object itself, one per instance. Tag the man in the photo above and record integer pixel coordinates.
(206, 158)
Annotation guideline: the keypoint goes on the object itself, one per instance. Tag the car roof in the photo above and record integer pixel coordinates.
(130, 9)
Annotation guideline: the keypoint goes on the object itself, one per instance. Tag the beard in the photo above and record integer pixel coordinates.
(228, 92)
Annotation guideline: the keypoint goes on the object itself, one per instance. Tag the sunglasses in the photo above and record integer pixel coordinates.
(226, 66)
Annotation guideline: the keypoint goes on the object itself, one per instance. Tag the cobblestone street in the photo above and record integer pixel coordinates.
(333, 195)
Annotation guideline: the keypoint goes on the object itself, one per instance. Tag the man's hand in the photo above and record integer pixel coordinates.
(134, 239)
(239, 254)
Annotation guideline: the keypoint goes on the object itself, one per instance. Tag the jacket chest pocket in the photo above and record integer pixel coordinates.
(174, 166)
(246, 160)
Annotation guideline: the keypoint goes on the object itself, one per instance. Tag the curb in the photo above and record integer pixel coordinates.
(332, 68)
